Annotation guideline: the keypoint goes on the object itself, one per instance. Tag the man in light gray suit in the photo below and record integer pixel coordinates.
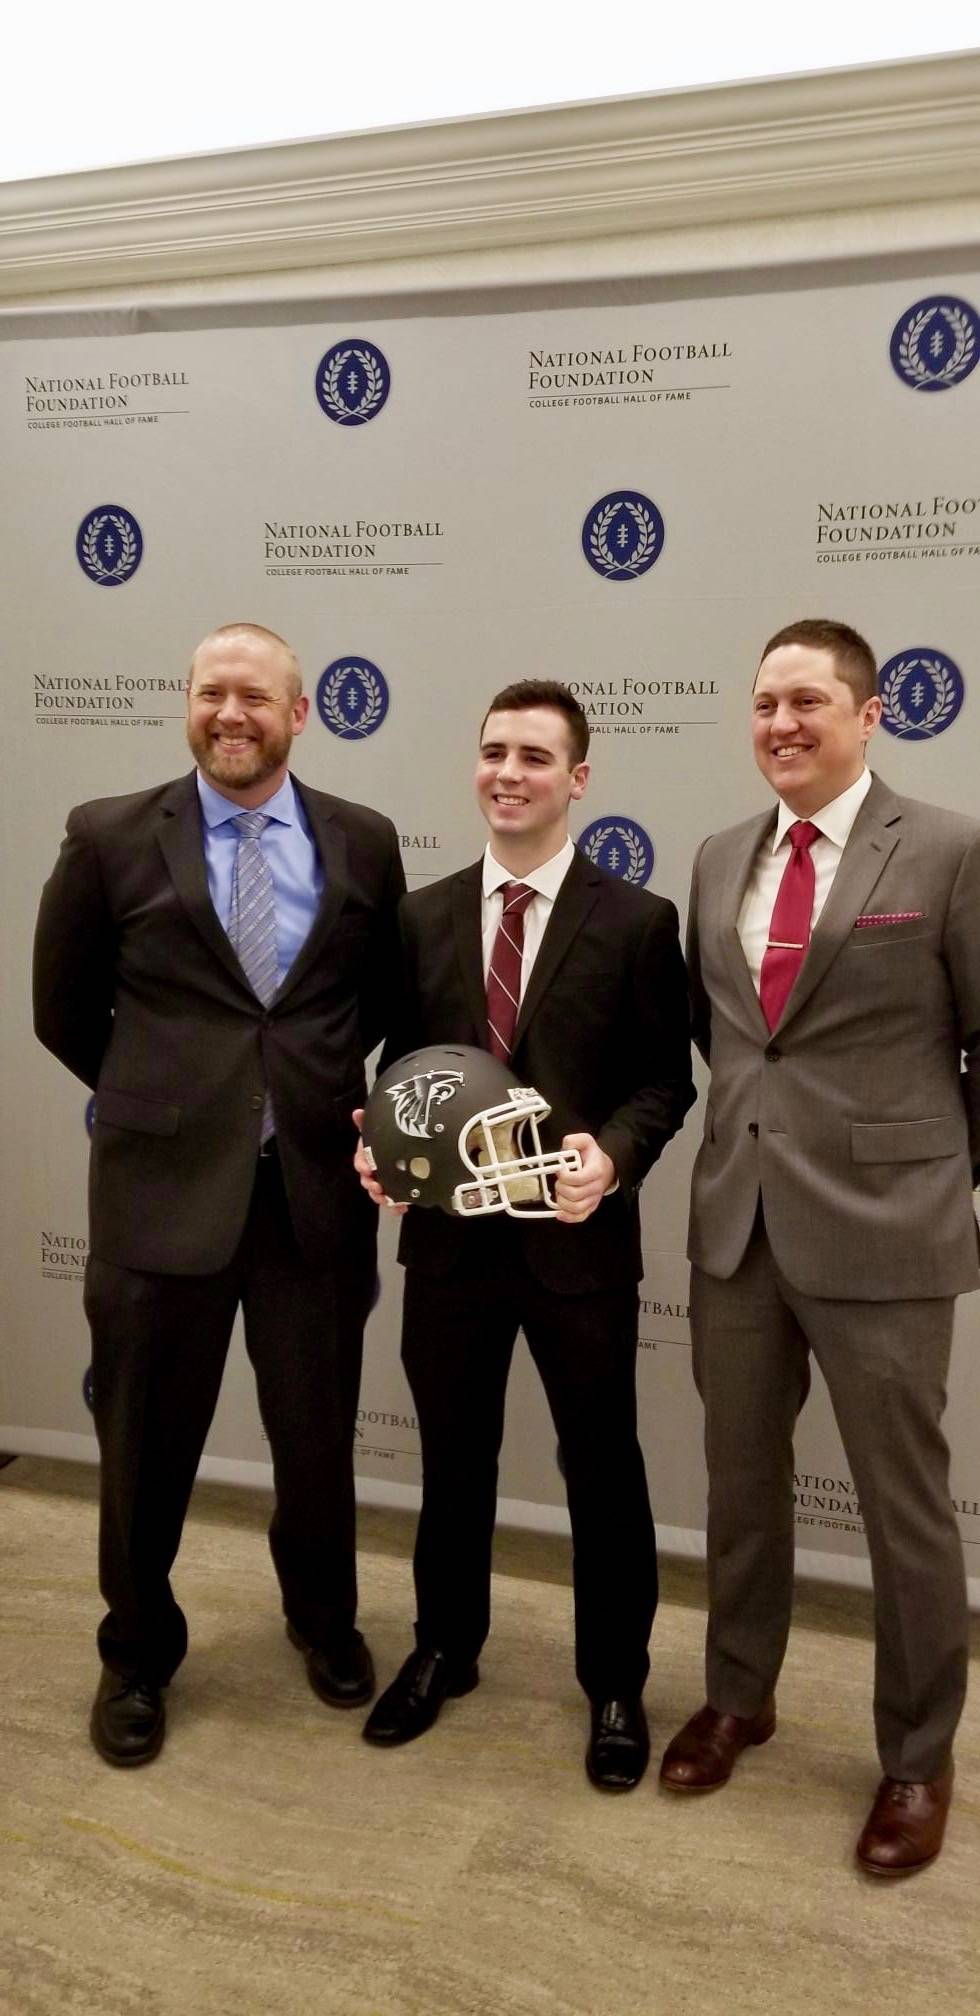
(832, 1213)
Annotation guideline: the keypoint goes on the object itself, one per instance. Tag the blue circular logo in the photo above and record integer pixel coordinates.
(109, 545)
(619, 846)
(934, 344)
(921, 693)
(90, 1115)
(623, 535)
(87, 1390)
(352, 698)
(353, 381)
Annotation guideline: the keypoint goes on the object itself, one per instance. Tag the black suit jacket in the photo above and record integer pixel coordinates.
(603, 1035)
(138, 991)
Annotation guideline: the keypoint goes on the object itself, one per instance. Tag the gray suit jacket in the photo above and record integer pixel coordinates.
(858, 1117)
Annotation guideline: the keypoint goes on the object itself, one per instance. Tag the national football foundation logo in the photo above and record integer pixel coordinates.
(352, 698)
(921, 693)
(353, 382)
(621, 847)
(934, 344)
(623, 535)
(109, 545)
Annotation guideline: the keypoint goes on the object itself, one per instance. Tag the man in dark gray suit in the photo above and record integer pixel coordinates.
(213, 956)
(834, 947)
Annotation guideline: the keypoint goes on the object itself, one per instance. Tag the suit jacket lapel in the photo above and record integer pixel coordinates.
(467, 890)
(739, 869)
(331, 841)
(578, 895)
(181, 839)
(873, 838)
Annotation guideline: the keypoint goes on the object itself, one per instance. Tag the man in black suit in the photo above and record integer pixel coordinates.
(212, 956)
(602, 1034)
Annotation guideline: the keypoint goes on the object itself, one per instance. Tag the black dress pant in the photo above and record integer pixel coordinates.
(457, 1342)
(159, 1344)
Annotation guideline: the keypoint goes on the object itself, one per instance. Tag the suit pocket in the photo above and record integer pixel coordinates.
(864, 936)
(131, 1110)
(906, 1140)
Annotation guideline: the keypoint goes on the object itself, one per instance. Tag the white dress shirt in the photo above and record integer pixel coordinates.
(835, 822)
(545, 881)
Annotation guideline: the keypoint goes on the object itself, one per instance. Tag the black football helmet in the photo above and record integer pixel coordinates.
(452, 1126)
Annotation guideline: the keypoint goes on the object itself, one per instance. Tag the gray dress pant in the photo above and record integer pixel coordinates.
(885, 1364)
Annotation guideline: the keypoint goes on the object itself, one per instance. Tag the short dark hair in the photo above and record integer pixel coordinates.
(545, 693)
(854, 660)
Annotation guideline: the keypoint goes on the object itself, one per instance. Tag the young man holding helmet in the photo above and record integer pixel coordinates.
(576, 981)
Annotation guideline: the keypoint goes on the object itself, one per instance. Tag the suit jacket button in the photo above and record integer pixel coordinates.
(754, 1129)
(772, 1053)
(256, 1101)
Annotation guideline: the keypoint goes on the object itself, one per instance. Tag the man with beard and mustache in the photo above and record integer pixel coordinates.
(213, 957)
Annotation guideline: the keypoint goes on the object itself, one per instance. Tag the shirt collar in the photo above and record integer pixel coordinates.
(834, 820)
(218, 811)
(545, 880)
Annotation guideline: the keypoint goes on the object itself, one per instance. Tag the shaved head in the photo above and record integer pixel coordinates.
(294, 677)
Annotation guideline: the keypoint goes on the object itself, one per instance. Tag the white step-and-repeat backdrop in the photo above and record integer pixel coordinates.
(630, 498)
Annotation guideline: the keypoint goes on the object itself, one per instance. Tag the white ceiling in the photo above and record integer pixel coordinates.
(90, 87)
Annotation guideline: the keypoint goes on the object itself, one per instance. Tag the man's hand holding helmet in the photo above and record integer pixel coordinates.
(365, 1171)
(580, 1192)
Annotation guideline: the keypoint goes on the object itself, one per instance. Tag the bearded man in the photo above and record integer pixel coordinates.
(213, 959)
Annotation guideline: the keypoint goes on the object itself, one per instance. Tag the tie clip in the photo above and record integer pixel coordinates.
(783, 945)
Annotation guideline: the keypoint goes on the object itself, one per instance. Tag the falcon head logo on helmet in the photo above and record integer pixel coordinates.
(416, 1097)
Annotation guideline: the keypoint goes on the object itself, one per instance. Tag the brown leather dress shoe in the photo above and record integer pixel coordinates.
(702, 1754)
(905, 1827)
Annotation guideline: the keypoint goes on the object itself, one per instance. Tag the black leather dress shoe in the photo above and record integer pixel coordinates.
(128, 1721)
(410, 1705)
(342, 1676)
(619, 1748)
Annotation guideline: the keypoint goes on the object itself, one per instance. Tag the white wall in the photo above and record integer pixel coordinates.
(195, 76)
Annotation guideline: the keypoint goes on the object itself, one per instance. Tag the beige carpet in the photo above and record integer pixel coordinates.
(270, 1861)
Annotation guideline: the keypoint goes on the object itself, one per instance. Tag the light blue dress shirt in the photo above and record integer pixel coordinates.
(290, 849)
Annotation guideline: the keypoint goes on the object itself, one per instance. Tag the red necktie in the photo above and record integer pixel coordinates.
(789, 929)
(504, 976)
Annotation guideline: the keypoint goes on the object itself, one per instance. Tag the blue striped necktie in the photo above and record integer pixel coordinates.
(252, 920)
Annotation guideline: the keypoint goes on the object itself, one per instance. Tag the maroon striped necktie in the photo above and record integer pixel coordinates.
(789, 929)
(504, 976)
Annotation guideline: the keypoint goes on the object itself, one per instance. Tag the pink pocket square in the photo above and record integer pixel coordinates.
(887, 917)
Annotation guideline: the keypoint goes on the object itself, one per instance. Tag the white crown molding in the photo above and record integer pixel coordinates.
(887, 156)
